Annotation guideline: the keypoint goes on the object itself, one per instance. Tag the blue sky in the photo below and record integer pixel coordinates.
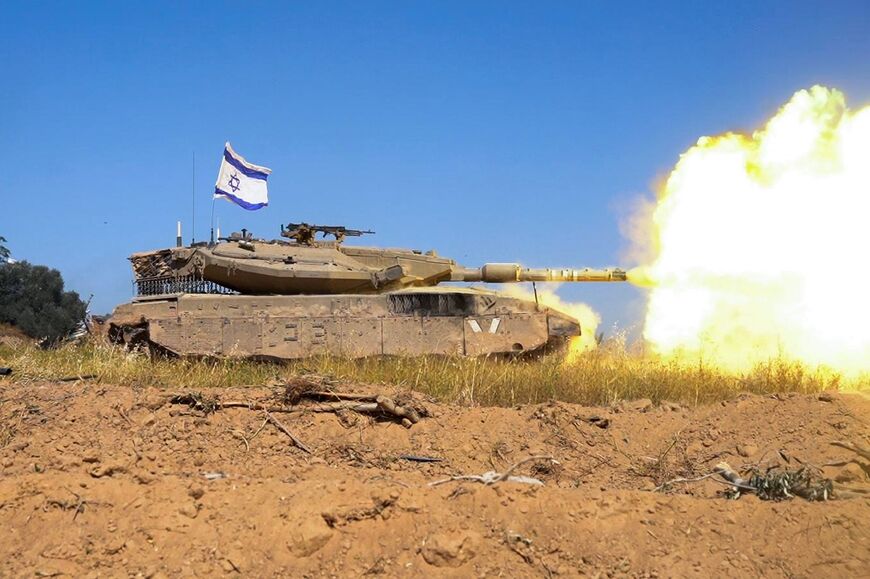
(489, 131)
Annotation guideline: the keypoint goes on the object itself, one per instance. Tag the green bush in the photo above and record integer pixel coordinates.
(32, 298)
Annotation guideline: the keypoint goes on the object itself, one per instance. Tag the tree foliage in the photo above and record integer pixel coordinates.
(32, 298)
(4, 251)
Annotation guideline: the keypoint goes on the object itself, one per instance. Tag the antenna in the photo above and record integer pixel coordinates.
(211, 240)
(193, 201)
(211, 235)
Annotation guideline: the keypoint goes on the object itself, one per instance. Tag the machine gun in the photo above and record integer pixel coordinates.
(305, 233)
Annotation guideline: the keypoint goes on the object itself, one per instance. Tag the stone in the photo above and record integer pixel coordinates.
(850, 473)
(641, 405)
(143, 477)
(108, 470)
(747, 450)
(189, 510)
(450, 549)
(196, 492)
(154, 402)
(309, 536)
(113, 548)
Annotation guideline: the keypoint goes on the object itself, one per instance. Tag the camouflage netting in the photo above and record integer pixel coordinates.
(152, 265)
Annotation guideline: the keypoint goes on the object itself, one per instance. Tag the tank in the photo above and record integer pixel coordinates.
(306, 295)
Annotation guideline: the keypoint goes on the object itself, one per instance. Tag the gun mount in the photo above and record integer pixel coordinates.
(303, 296)
(305, 234)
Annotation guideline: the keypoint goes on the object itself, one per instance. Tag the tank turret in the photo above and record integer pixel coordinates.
(307, 265)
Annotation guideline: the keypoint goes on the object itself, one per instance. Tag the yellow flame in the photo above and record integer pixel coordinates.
(763, 242)
(585, 315)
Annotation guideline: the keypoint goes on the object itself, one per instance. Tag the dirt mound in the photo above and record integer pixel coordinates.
(101, 480)
(13, 337)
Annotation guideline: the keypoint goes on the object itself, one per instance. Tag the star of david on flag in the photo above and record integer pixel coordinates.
(241, 182)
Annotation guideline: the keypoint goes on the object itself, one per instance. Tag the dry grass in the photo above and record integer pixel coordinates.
(600, 377)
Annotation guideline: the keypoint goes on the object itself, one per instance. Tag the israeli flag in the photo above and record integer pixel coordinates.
(241, 182)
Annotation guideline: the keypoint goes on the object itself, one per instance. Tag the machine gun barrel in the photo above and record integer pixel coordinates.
(351, 232)
(513, 272)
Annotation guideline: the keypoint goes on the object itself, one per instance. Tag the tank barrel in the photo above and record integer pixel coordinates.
(513, 272)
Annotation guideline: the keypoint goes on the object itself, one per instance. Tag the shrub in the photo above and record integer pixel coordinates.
(32, 298)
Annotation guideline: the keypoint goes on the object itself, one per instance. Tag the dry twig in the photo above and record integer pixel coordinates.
(241, 436)
(299, 444)
(363, 404)
(667, 484)
(490, 478)
(862, 452)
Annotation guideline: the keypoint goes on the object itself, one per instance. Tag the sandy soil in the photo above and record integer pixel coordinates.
(113, 481)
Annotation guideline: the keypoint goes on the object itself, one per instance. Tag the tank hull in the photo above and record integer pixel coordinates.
(463, 321)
